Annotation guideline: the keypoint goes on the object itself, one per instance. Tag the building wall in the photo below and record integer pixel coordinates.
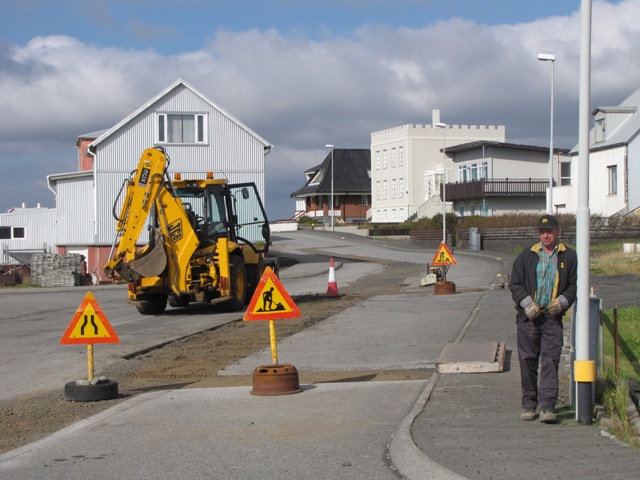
(421, 147)
(38, 223)
(75, 211)
(493, 206)
(85, 161)
(633, 172)
(601, 201)
(506, 163)
(231, 153)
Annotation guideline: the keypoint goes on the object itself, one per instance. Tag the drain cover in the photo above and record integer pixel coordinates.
(472, 357)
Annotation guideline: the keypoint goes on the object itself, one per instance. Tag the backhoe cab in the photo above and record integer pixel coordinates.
(208, 240)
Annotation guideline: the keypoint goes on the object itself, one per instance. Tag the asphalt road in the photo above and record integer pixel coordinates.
(32, 321)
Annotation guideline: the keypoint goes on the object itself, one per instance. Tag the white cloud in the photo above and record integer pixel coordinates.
(300, 93)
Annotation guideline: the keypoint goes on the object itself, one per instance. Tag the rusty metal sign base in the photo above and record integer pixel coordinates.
(444, 287)
(275, 380)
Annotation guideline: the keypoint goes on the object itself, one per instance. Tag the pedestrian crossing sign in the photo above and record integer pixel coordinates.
(89, 325)
(443, 256)
(271, 301)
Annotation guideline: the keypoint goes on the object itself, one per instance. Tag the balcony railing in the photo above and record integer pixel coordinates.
(497, 187)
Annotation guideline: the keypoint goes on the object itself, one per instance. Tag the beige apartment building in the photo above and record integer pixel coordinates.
(407, 165)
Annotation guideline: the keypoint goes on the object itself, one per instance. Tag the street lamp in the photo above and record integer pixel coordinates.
(331, 213)
(443, 126)
(547, 57)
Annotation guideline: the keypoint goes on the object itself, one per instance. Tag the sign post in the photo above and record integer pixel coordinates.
(443, 259)
(271, 302)
(89, 325)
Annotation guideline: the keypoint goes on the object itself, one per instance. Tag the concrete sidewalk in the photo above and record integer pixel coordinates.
(468, 425)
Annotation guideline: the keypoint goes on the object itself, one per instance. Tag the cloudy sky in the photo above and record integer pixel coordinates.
(300, 73)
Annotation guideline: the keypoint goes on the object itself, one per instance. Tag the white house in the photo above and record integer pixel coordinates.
(614, 162)
(407, 166)
(199, 137)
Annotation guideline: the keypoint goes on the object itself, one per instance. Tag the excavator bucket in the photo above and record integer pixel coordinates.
(150, 263)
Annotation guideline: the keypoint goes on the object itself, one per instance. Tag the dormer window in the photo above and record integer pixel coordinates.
(600, 130)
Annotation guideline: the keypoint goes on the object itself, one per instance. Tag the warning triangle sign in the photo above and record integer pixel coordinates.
(443, 256)
(89, 325)
(271, 301)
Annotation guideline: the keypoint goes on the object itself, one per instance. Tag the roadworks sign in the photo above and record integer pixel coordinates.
(271, 301)
(89, 325)
(443, 256)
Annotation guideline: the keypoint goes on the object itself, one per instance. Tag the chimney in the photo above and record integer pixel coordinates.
(435, 117)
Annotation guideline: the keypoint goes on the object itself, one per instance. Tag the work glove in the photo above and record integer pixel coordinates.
(532, 311)
(556, 307)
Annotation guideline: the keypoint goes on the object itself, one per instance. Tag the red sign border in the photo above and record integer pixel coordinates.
(440, 264)
(279, 315)
(89, 299)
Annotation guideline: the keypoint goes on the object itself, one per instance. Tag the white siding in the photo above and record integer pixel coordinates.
(38, 224)
(232, 152)
(600, 202)
(633, 162)
(76, 220)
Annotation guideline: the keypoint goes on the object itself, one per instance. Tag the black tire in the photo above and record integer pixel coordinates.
(153, 304)
(178, 301)
(254, 274)
(238, 284)
(106, 390)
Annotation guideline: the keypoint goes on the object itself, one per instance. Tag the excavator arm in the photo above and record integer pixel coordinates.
(142, 190)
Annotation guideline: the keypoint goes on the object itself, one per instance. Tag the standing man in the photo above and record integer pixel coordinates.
(543, 285)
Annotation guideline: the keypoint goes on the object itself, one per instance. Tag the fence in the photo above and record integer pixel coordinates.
(508, 239)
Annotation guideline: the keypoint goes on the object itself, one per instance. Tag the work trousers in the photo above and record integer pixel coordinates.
(539, 344)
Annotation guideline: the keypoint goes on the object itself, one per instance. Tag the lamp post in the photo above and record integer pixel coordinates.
(443, 126)
(331, 212)
(547, 57)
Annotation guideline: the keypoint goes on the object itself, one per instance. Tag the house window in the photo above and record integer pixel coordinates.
(384, 159)
(600, 130)
(401, 187)
(182, 128)
(378, 160)
(393, 188)
(384, 190)
(393, 157)
(565, 173)
(461, 210)
(364, 200)
(377, 190)
(8, 233)
(613, 179)
(400, 156)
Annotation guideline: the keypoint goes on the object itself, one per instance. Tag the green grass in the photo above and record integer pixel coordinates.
(610, 259)
(612, 388)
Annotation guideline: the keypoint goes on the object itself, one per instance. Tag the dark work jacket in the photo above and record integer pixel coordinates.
(524, 280)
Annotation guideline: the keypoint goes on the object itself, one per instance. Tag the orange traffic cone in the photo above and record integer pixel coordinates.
(332, 289)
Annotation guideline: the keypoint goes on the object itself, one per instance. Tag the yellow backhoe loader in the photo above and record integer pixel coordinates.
(208, 239)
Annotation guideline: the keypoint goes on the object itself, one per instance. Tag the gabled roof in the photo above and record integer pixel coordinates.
(177, 84)
(625, 132)
(351, 174)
